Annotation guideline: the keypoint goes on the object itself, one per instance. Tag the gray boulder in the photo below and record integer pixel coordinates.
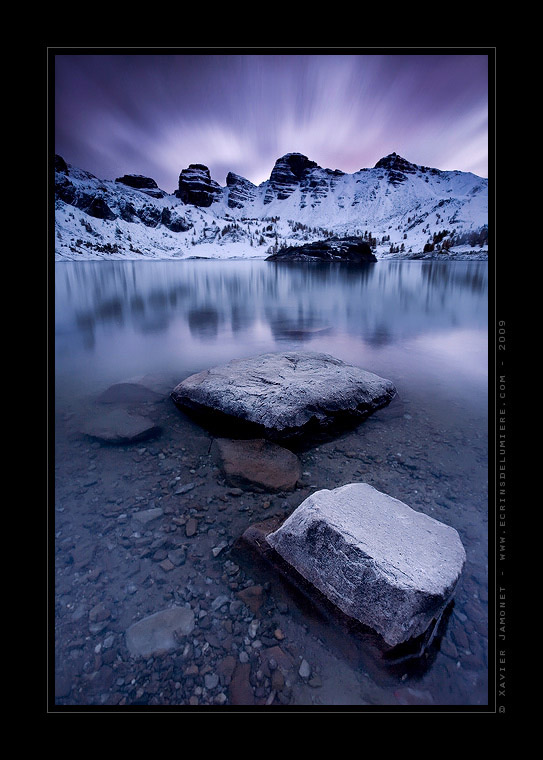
(284, 395)
(381, 562)
(119, 427)
(159, 633)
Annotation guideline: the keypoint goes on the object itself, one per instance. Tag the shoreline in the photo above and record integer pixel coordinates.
(432, 256)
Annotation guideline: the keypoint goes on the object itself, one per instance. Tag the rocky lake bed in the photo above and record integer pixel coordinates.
(159, 601)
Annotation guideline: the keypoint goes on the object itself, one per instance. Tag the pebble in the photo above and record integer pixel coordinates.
(184, 489)
(218, 549)
(211, 680)
(305, 669)
(191, 527)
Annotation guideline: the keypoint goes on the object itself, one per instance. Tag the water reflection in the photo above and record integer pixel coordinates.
(210, 310)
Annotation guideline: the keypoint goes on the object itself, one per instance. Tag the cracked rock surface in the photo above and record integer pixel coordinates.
(284, 395)
(381, 562)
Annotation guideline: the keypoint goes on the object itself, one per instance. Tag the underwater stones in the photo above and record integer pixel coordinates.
(379, 561)
(283, 395)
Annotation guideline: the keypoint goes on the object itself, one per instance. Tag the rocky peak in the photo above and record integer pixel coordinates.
(288, 172)
(396, 163)
(241, 190)
(196, 186)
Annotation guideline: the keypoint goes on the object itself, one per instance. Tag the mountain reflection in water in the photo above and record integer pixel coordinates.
(179, 316)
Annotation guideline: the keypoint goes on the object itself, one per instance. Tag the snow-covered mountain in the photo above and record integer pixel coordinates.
(402, 209)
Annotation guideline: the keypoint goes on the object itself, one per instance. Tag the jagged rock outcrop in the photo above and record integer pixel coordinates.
(240, 190)
(99, 209)
(381, 562)
(283, 396)
(196, 186)
(140, 182)
(350, 249)
(174, 221)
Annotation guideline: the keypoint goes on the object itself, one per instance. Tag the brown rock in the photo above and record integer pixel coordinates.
(252, 597)
(226, 667)
(277, 680)
(241, 691)
(99, 613)
(191, 527)
(282, 658)
(258, 462)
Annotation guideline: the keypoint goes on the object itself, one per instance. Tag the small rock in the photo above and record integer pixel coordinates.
(99, 613)
(241, 691)
(184, 489)
(252, 597)
(159, 632)
(305, 669)
(145, 516)
(218, 549)
(211, 680)
(219, 601)
(177, 557)
(191, 527)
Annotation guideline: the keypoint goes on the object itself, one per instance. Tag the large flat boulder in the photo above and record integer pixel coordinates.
(381, 562)
(284, 395)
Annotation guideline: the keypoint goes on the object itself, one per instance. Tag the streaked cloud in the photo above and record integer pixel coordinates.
(155, 114)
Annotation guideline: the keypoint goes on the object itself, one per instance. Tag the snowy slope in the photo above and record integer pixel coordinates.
(401, 207)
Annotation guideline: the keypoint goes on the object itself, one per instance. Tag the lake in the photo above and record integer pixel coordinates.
(421, 324)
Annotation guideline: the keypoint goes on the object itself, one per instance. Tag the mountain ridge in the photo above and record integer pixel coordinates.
(403, 209)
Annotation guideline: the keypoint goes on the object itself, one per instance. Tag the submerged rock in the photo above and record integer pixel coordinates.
(282, 396)
(160, 632)
(119, 427)
(381, 562)
(129, 393)
(258, 462)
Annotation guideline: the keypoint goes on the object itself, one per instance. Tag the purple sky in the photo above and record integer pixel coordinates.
(155, 114)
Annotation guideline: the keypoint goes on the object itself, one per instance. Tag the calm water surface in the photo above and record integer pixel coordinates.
(421, 324)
